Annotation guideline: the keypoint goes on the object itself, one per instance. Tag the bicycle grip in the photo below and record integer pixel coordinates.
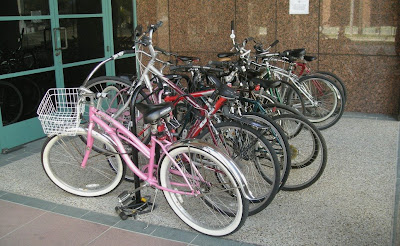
(157, 25)
(132, 51)
(217, 63)
(180, 67)
(161, 50)
(274, 43)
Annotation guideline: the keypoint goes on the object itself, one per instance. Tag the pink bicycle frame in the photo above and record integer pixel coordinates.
(119, 131)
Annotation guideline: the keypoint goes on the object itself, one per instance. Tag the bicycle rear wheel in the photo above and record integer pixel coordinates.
(218, 208)
(254, 156)
(308, 151)
(276, 136)
(327, 106)
(62, 157)
(338, 81)
(289, 95)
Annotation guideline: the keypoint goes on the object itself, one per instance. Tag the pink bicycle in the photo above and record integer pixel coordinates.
(202, 185)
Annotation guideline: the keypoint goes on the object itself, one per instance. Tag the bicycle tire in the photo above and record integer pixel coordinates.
(309, 152)
(99, 84)
(278, 140)
(11, 103)
(289, 95)
(263, 178)
(62, 157)
(335, 78)
(329, 99)
(206, 212)
(274, 109)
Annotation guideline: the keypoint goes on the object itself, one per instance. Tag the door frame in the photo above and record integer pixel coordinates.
(19, 133)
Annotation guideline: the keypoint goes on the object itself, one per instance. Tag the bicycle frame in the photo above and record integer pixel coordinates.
(303, 68)
(119, 131)
(293, 79)
(200, 124)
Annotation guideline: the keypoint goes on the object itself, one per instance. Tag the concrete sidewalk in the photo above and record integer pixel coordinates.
(355, 202)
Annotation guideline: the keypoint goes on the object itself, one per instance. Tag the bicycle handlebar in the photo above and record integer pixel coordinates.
(165, 52)
(219, 63)
(156, 26)
(84, 92)
(191, 67)
(274, 43)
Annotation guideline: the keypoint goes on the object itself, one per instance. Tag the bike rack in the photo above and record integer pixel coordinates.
(132, 204)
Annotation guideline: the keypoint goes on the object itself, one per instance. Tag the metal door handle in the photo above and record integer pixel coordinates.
(65, 36)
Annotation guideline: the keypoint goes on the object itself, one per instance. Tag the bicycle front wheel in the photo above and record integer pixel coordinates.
(217, 207)
(62, 158)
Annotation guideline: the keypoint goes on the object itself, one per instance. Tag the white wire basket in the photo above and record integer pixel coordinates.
(59, 111)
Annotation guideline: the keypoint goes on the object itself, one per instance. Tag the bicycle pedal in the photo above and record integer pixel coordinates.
(174, 123)
(123, 197)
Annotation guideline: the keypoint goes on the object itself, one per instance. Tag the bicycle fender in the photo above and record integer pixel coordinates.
(216, 152)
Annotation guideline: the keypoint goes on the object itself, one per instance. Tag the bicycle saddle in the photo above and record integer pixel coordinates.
(173, 77)
(294, 54)
(227, 54)
(188, 58)
(265, 83)
(251, 73)
(152, 112)
(223, 89)
(310, 58)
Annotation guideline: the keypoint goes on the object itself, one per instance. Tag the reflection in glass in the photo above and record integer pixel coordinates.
(20, 96)
(126, 67)
(122, 13)
(85, 39)
(362, 22)
(74, 76)
(79, 6)
(26, 46)
(24, 7)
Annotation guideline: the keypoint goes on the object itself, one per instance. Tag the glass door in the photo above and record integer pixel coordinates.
(26, 68)
(49, 43)
(82, 39)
